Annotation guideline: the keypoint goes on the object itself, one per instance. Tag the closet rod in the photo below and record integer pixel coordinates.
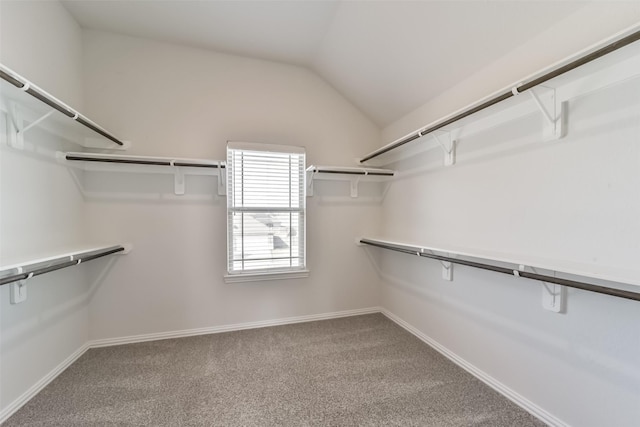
(541, 277)
(142, 161)
(54, 103)
(64, 262)
(512, 92)
(370, 173)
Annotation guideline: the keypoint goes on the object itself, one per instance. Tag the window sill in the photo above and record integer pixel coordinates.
(259, 277)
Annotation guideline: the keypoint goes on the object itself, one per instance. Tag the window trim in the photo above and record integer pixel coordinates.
(274, 273)
(266, 275)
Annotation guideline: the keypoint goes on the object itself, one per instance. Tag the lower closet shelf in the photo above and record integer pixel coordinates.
(448, 257)
(35, 267)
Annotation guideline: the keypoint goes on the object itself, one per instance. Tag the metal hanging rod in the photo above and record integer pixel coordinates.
(508, 94)
(57, 264)
(141, 160)
(21, 83)
(350, 171)
(541, 277)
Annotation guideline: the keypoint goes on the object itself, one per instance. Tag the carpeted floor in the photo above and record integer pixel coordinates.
(362, 371)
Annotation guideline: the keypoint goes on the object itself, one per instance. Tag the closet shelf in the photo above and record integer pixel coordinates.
(342, 173)
(141, 160)
(27, 106)
(341, 170)
(34, 267)
(524, 268)
(545, 93)
(179, 167)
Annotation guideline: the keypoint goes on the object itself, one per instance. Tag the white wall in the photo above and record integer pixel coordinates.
(40, 207)
(176, 101)
(575, 200)
(590, 24)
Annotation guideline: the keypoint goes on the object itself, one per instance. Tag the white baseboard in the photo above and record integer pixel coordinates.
(516, 398)
(44, 381)
(229, 328)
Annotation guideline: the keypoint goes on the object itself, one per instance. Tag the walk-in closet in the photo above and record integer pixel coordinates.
(319, 213)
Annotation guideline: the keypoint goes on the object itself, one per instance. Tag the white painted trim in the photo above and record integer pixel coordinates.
(265, 275)
(44, 381)
(229, 328)
(257, 146)
(510, 394)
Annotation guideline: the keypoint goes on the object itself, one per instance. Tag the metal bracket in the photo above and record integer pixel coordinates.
(310, 176)
(553, 111)
(178, 180)
(354, 187)
(18, 290)
(222, 180)
(448, 146)
(447, 270)
(16, 128)
(447, 267)
(553, 297)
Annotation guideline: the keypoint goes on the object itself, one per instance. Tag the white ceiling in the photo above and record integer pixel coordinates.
(387, 57)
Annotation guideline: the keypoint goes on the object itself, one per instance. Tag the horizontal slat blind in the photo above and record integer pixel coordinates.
(266, 209)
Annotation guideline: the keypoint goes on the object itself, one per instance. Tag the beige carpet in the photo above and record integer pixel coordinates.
(356, 371)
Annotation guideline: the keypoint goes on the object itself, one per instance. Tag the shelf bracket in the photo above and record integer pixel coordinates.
(354, 187)
(448, 146)
(553, 295)
(178, 180)
(553, 111)
(447, 270)
(447, 267)
(16, 128)
(222, 180)
(310, 176)
(18, 290)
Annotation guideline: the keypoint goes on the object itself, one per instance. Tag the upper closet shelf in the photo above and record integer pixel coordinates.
(26, 106)
(342, 173)
(179, 167)
(546, 93)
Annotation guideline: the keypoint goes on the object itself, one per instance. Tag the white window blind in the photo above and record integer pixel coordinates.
(265, 208)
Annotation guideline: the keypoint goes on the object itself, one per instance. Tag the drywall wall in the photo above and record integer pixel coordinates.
(40, 206)
(575, 200)
(171, 100)
(590, 24)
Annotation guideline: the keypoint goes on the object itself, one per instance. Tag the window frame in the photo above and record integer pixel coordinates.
(271, 273)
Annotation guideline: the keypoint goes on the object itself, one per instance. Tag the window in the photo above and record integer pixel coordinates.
(265, 209)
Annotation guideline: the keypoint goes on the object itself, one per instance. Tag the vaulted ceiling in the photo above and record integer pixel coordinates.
(386, 57)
